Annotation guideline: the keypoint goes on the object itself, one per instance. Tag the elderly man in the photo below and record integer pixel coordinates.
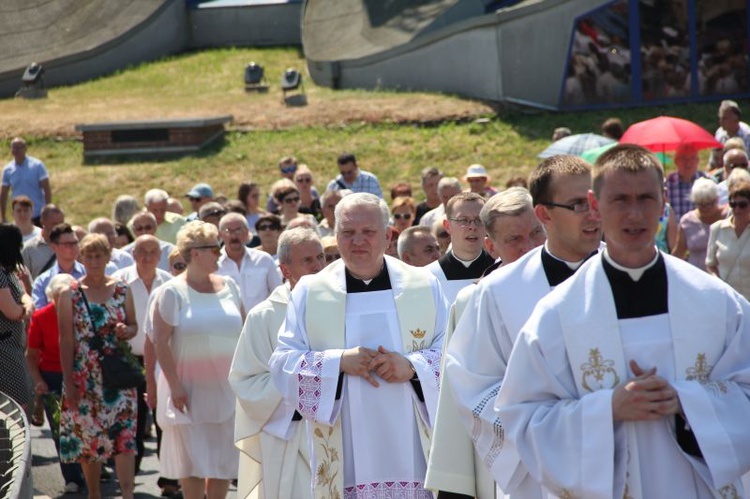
(359, 358)
(37, 253)
(430, 178)
(619, 385)
(143, 278)
(467, 259)
(328, 202)
(417, 246)
(513, 229)
(254, 271)
(211, 212)
(730, 124)
(447, 188)
(103, 225)
(145, 223)
(354, 179)
(479, 181)
(27, 176)
(64, 244)
(168, 224)
(199, 195)
(503, 301)
(733, 158)
(268, 430)
(680, 183)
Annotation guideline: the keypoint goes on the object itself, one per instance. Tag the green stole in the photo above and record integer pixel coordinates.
(325, 319)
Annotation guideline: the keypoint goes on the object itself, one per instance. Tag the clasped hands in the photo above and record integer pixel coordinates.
(647, 397)
(390, 366)
(123, 331)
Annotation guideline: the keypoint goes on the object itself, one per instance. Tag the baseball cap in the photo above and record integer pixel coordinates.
(201, 191)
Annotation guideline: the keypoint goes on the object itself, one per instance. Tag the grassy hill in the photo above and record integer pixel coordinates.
(394, 135)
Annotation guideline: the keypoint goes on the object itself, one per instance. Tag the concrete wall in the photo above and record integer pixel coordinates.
(258, 25)
(162, 34)
(513, 54)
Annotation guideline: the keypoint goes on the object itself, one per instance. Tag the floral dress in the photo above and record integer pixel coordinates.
(105, 420)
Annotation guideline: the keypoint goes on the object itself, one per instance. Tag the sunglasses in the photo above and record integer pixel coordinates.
(739, 204)
(289, 169)
(268, 227)
(215, 213)
(291, 200)
(215, 249)
(399, 216)
(179, 266)
(193, 199)
(304, 180)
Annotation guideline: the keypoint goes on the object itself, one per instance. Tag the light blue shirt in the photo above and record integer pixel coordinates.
(23, 179)
(42, 281)
(365, 182)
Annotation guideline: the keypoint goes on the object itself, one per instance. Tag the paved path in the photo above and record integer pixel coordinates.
(48, 482)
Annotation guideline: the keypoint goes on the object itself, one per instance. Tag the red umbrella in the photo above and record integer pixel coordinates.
(667, 133)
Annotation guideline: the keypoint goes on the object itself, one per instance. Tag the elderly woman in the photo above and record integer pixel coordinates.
(197, 320)
(96, 423)
(15, 308)
(728, 254)
(309, 199)
(695, 225)
(43, 361)
(288, 198)
(403, 211)
(249, 195)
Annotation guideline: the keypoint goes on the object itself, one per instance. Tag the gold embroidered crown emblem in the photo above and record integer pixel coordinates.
(418, 333)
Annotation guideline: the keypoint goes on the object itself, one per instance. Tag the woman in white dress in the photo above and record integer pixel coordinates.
(197, 321)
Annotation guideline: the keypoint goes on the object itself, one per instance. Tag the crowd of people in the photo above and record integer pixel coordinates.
(580, 333)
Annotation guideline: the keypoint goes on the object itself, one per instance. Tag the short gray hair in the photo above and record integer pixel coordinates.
(155, 196)
(446, 182)
(704, 190)
(362, 199)
(57, 284)
(730, 105)
(406, 238)
(509, 203)
(232, 216)
(292, 237)
(737, 175)
(331, 193)
(95, 224)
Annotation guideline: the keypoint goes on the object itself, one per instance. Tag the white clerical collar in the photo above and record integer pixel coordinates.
(571, 265)
(466, 263)
(636, 273)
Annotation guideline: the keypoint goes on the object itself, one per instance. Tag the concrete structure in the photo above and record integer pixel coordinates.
(77, 40)
(151, 137)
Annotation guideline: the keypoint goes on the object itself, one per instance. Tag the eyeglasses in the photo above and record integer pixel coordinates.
(738, 204)
(291, 200)
(268, 227)
(214, 213)
(68, 244)
(289, 169)
(467, 222)
(304, 180)
(215, 249)
(732, 166)
(236, 230)
(179, 266)
(332, 258)
(193, 199)
(399, 216)
(139, 228)
(577, 207)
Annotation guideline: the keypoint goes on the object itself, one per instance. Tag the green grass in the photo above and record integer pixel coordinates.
(366, 123)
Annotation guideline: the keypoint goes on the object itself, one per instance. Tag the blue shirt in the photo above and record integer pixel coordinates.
(24, 179)
(365, 182)
(42, 281)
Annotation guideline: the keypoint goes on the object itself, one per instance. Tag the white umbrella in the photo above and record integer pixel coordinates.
(576, 144)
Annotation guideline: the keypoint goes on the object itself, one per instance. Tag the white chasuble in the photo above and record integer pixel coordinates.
(370, 442)
(556, 400)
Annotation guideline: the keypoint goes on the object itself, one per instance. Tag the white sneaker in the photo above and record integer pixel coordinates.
(71, 488)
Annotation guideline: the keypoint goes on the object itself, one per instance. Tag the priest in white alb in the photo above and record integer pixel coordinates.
(359, 358)
(479, 351)
(268, 431)
(632, 378)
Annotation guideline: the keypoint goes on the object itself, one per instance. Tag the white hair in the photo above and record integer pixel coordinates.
(58, 283)
(362, 199)
(447, 182)
(704, 190)
(737, 175)
(233, 217)
(155, 196)
(292, 237)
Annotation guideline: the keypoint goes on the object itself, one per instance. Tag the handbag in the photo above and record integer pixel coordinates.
(118, 371)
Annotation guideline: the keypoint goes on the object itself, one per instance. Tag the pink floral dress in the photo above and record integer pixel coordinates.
(105, 420)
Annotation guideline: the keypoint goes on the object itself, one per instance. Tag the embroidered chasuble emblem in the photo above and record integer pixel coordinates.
(417, 334)
(599, 372)
(729, 492)
(700, 372)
